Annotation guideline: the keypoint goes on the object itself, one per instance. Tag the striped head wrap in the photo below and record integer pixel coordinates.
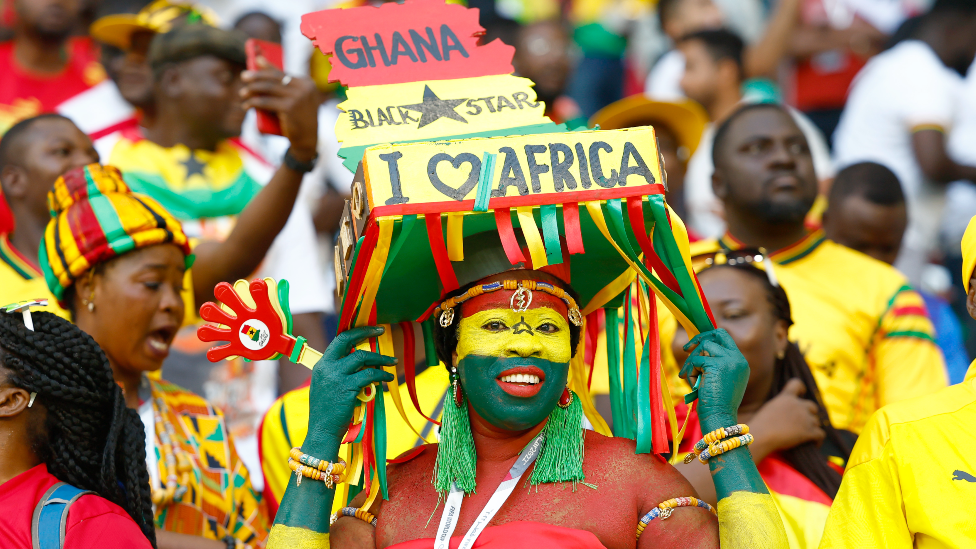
(95, 217)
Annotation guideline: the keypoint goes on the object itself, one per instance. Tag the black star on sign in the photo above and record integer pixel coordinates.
(434, 107)
(193, 166)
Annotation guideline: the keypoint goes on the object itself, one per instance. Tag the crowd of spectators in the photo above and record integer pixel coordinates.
(819, 133)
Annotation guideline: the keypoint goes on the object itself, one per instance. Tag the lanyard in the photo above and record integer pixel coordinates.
(452, 509)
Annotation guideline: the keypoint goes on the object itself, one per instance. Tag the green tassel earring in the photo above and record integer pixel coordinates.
(561, 459)
(455, 452)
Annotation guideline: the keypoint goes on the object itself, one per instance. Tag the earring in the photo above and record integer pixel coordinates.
(457, 394)
(566, 399)
(456, 387)
(781, 355)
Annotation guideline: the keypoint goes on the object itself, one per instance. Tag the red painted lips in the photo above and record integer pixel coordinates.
(522, 381)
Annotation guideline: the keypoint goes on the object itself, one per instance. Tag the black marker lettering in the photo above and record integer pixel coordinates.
(398, 47)
(503, 102)
(343, 54)
(472, 105)
(389, 114)
(560, 168)
(487, 101)
(597, 169)
(535, 169)
(522, 97)
(405, 115)
(381, 118)
(517, 179)
(584, 169)
(391, 163)
(357, 119)
(430, 44)
(449, 41)
(640, 169)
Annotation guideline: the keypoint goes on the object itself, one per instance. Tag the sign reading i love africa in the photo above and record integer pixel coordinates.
(516, 170)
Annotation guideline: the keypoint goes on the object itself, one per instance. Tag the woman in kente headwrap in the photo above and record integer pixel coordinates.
(119, 263)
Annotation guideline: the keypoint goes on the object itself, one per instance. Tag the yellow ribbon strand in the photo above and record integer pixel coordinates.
(596, 214)
(532, 237)
(385, 342)
(375, 271)
(579, 375)
(455, 236)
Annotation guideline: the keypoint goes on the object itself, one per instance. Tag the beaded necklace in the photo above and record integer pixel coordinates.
(174, 463)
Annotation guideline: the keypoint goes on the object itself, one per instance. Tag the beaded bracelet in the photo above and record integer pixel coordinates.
(361, 514)
(330, 476)
(724, 446)
(313, 462)
(520, 299)
(715, 436)
(665, 509)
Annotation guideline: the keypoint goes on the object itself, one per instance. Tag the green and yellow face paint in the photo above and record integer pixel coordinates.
(513, 356)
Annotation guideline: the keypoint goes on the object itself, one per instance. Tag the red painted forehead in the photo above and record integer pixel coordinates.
(502, 299)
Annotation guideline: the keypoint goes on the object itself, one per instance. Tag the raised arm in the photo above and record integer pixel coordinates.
(296, 104)
(747, 514)
(303, 517)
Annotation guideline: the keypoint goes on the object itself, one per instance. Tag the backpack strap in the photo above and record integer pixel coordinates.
(51, 515)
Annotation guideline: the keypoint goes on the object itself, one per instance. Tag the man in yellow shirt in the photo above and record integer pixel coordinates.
(33, 154)
(864, 331)
(912, 476)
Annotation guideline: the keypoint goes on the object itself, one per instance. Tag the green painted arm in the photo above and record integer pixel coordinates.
(747, 513)
(303, 517)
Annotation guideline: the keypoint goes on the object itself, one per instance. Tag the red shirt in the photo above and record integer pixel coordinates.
(93, 522)
(24, 94)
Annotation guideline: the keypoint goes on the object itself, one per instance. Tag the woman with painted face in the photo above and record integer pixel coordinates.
(781, 404)
(509, 469)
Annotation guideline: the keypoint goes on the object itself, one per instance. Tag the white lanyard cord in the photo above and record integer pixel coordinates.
(452, 508)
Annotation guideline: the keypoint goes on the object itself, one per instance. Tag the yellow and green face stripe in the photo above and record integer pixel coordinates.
(513, 365)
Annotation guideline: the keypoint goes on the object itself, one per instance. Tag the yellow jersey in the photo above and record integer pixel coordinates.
(864, 331)
(912, 476)
(22, 280)
(285, 424)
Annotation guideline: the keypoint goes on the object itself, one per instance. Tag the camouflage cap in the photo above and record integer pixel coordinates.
(193, 41)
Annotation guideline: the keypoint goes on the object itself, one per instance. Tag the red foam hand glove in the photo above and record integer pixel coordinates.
(253, 333)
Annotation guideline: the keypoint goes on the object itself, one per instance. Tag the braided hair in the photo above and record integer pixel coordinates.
(91, 440)
(807, 457)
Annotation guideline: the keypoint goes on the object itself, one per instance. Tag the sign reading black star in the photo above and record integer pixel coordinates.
(193, 166)
(434, 108)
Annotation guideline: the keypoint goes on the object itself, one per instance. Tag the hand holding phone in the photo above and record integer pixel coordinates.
(268, 122)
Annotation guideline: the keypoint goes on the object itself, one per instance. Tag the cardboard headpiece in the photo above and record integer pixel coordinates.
(460, 175)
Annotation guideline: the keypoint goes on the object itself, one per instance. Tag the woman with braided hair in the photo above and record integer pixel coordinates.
(782, 404)
(63, 419)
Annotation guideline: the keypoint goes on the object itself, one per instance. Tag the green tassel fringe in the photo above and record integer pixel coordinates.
(561, 459)
(455, 452)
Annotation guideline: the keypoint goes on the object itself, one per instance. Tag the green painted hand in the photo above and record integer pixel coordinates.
(724, 375)
(336, 380)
